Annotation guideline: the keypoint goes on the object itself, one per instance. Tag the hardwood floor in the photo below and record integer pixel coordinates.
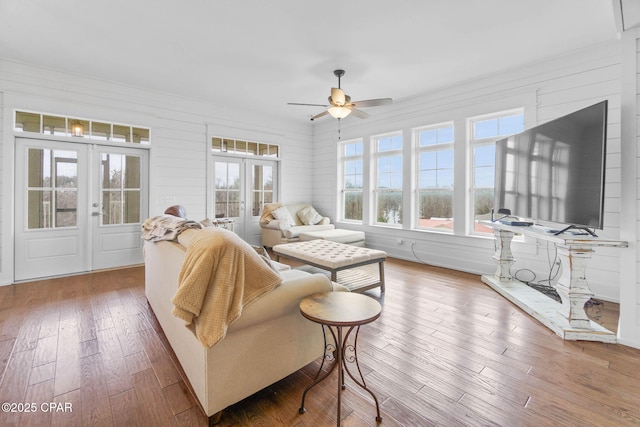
(86, 350)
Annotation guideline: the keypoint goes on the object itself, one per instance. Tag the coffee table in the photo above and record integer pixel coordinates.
(338, 310)
(335, 257)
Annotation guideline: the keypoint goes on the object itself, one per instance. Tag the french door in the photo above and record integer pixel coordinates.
(78, 207)
(241, 188)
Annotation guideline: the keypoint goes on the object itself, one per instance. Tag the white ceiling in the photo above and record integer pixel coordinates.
(259, 55)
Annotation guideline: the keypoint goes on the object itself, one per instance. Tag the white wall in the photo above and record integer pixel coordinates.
(179, 144)
(546, 90)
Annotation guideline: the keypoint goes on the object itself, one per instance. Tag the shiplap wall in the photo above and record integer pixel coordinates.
(179, 143)
(547, 90)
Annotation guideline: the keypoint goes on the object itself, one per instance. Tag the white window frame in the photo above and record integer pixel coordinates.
(445, 146)
(475, 142)
(376, 190)
(343, 158)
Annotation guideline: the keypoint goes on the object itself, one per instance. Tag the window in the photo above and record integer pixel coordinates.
(352, 180)
(434, 156)
(388, 191)
(484, 131)
(69, 126)
(120, 188)
(52, 188)
(227, 189)
(243, 148)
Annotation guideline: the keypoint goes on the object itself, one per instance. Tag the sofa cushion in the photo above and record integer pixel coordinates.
(309, 216)
(294, 232)
(283, 215)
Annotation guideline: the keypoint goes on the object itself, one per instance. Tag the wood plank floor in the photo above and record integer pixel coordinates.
(87, 351)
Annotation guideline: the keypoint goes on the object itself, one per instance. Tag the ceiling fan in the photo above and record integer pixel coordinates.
(340, 104)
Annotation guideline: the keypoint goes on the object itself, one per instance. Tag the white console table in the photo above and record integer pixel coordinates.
(567, 319)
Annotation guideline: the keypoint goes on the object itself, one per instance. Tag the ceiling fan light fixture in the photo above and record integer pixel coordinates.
(339, 112)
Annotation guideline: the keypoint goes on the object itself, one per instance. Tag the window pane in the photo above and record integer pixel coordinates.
(111, 207)
(54, 125)
(39, 209)
(353, 205)
(353, 149)
(221, 175)
(485, 128)
(39, 167)
(27, 122)
(111, 171)
(132, 207)
(511, 124)
(234, 175)
(445, 135)
(121, 133)
(132, 172)
(436, 209)
(66, 208)
(445, 159)
(100, 130)
(234, 204)
(78, 127)
(140, 136)
(66, 165)
(484, 155)
(428, 137)
(389, 207)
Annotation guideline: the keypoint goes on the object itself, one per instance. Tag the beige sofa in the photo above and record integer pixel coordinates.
(276, 231)
(269, 341)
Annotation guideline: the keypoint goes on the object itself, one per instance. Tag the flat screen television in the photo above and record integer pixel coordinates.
(555, 172)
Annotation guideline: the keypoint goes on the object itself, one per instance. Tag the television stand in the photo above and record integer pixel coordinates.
(574, 227)
(568, 318)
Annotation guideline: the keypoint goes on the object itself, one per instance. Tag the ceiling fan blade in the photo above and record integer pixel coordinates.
(337, 97)
(310, 105)
(359, 113)
(317, 116)
(372, 102)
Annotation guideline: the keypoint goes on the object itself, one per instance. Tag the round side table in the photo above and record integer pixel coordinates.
(338, 310)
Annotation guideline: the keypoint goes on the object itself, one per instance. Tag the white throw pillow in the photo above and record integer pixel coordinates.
(282, 214)
(309, 216)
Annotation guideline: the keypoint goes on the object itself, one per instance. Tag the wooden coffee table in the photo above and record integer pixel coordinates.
(335, 257)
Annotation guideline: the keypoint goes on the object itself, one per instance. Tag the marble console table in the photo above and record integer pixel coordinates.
(568, 319)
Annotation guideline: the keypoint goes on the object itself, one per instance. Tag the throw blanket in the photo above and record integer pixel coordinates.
(166, 227)
(221, 275)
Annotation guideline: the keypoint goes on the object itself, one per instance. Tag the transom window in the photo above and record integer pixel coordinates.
(48, 124)
(434, 155)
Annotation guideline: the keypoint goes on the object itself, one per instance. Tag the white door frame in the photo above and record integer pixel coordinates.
(79, 254)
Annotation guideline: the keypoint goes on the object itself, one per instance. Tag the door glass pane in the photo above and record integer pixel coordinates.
(111, 207)
(39, 168)
(132, 207)
(132, 172)
(66, 166)
(39, 209)
(66, 208)
(234, 204)
(234, 175)
(111, 170)
(52, 203)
